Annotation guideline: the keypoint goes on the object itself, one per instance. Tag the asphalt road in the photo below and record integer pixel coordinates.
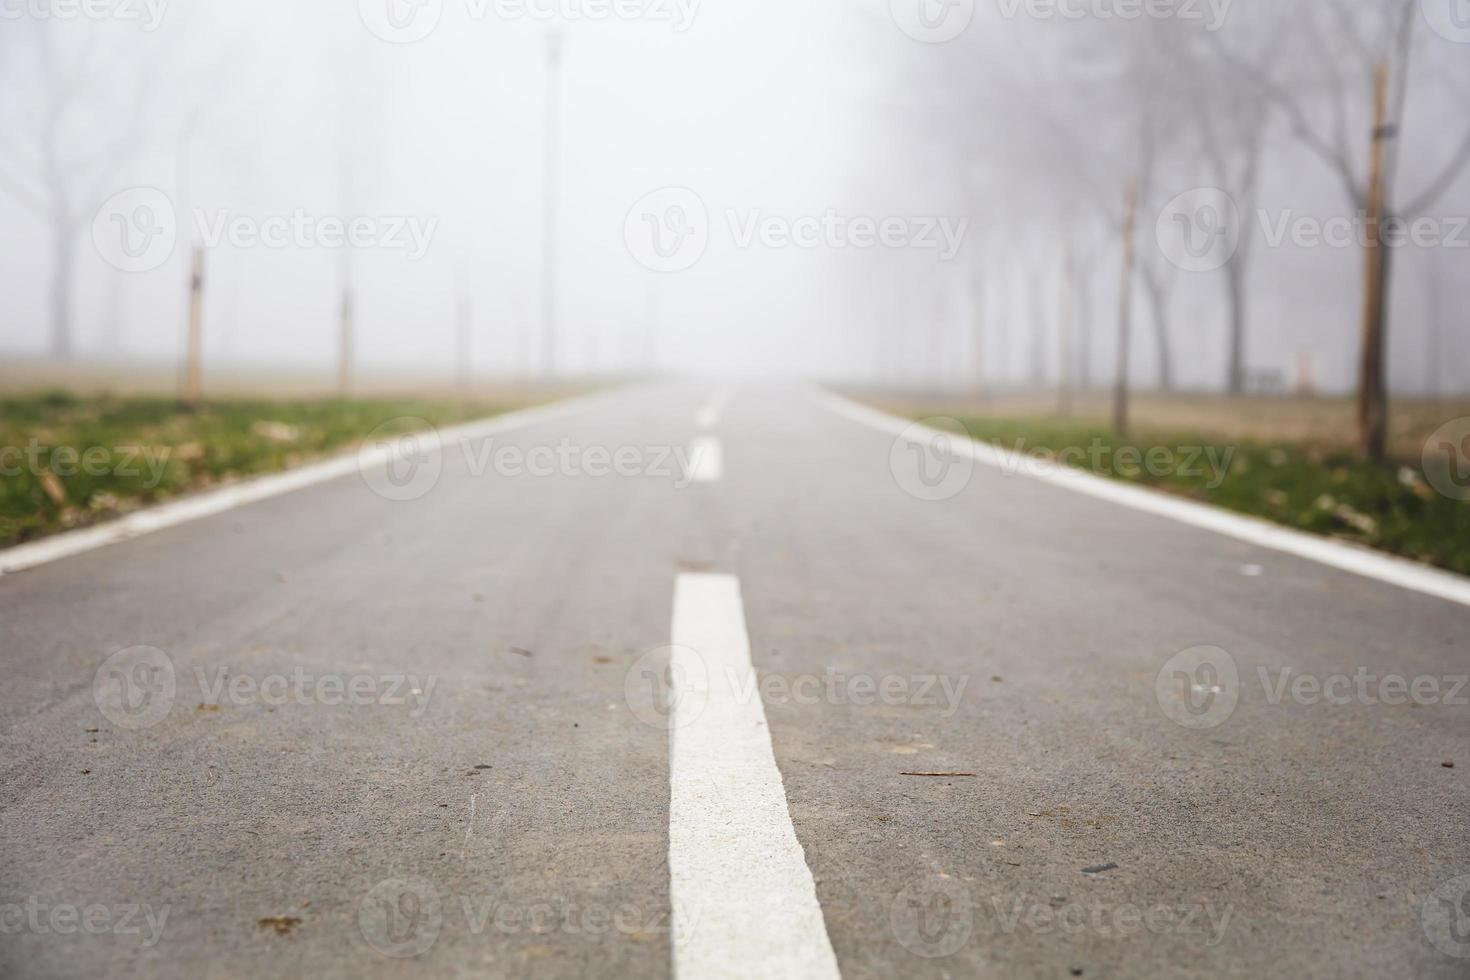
(367, 736)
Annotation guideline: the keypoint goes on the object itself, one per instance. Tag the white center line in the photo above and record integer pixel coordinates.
(706, 460)
(709, 415)
(744, 903)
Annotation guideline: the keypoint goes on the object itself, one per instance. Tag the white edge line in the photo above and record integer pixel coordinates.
(1360, 561)
(208, 503)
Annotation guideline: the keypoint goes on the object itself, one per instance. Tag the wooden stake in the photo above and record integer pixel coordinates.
(344, 345)
(194, 352)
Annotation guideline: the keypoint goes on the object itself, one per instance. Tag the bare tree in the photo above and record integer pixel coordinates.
(60, 155)
(1360, 57)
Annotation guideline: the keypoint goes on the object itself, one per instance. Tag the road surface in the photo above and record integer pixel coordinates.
(636, 690)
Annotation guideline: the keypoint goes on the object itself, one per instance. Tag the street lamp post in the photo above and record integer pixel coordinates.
(551, 173)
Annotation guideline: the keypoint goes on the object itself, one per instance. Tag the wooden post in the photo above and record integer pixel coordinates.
(463, 344)
(194, 352)
(1372, 387)
(344, 345)
(1125, 307)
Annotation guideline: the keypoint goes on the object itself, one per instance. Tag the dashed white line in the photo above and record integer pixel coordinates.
(744, 903)
(706, 460)
(712, 411)
(1383, 568)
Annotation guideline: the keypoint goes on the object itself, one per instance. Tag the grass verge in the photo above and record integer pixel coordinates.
(68, 461)
(1322, 488)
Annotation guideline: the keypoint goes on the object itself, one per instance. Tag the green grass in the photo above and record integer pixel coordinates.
(140, 450)
(1324, 489)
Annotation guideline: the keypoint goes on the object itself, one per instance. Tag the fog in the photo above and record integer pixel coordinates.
(839, 190)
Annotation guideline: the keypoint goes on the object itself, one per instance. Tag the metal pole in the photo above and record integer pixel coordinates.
(551, 173)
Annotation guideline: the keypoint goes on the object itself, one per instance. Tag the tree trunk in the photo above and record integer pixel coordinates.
(1064, 331)
(1235, 307)
(1125, 310)
(63, 260)
(1158, 304)
(1372, 386)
